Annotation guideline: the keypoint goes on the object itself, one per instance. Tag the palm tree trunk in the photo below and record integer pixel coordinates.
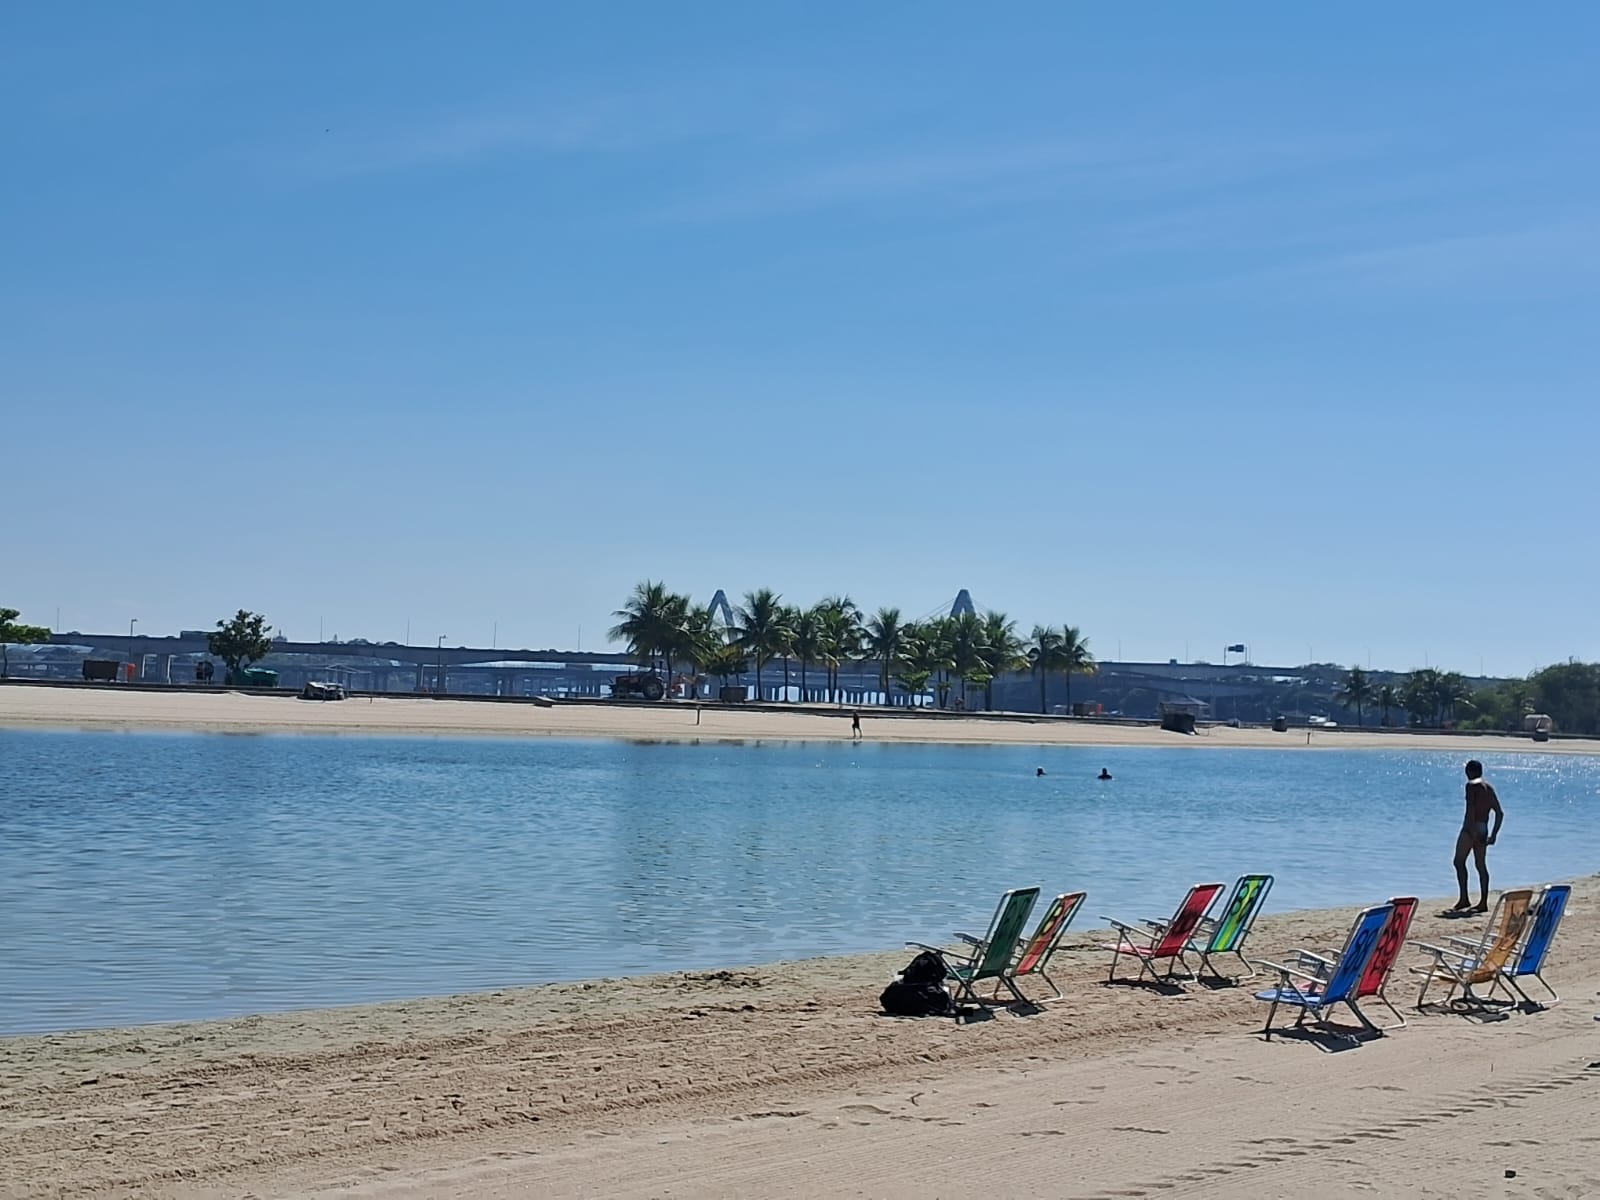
(883, 682)
(802, 679)
(1069, 691)
(1044, 677)
(758, 679)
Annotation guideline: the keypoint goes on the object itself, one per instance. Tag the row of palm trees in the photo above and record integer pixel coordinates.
(1431, 696)
(972, 651)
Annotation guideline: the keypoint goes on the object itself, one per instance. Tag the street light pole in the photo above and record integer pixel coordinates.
(132, 621)
(438, 667)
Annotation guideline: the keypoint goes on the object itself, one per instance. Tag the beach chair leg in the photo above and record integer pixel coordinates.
(1054, 987)
(1115, 954)
(1362, 1017)
(1554, 999)
(1271, 1012)
(1249, 968)
(1399, 1017)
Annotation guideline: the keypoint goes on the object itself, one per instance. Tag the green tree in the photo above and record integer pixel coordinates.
(13, 632)
(806, 637)
(1570, 693)
(651, 623)
(841, 637)
(727, 661)
(761, 629)
(967, 648)
(884, 635)
(1354, 692)
(240, 641)
(1044, 656)
(925, 655)
(1076, 658)
(1003, 651)
(1387, 698)
(1063, 650)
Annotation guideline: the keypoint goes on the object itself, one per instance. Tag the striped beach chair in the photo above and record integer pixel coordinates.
(1471, 963)
(1162, 941)
(1315, 996)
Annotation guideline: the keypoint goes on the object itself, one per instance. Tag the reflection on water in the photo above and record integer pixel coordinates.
(159, 877)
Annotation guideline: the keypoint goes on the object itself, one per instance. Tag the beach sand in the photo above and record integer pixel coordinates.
(22, 706)
(784, 1081)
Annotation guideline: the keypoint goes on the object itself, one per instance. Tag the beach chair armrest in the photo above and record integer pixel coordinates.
(1321, 960)
(1123, 927)
(1286, 973)
(969, 939)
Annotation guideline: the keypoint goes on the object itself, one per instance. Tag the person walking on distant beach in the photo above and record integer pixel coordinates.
(855, 726)
(1476, 837)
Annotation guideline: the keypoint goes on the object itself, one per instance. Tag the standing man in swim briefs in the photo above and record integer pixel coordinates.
(1476, 837)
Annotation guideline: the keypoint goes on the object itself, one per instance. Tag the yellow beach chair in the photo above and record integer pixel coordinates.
(1467, 963)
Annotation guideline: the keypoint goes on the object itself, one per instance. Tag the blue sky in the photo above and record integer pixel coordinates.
(1189, 325)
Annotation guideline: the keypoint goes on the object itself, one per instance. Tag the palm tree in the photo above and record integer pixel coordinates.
(726, 661)
(1075, 657)
(923, 656)
(1386, 699)
(966, 649)
(841, 637)
(699, 639)
(651, 623)
(1419, 696)
(1355, 692)
(1002, 651)
(806, 640)
(761, 629)
(1044, 656)
(1454, 694)
(885, 640)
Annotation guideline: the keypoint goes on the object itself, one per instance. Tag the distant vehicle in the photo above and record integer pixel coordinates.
(314, 690)
(101, 670)
(1322, 722)
(638, 685)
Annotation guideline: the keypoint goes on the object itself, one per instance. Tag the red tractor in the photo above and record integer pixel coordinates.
(639, 685)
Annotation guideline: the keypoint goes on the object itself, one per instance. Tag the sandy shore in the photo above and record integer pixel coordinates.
(232, 712)
(783, 1080)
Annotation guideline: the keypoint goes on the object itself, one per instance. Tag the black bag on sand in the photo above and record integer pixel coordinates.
(919, 990)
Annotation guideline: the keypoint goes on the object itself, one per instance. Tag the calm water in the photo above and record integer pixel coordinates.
(161, 877)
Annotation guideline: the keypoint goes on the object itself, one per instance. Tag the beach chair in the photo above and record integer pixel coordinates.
(1375, 979)
(992, 955)
(1226, 934)
(1472, 963)
(1315, 996)
(1549, 908)
(1162, 941)
(1038, 950)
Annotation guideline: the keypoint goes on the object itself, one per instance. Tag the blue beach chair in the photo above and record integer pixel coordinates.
(1552, 905)
(1314, 997)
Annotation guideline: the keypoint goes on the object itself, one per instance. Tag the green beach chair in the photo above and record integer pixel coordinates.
(1227, 933)
(993, 954)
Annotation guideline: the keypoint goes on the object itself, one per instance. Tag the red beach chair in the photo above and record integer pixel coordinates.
(1163, 941)
(1375, 979)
